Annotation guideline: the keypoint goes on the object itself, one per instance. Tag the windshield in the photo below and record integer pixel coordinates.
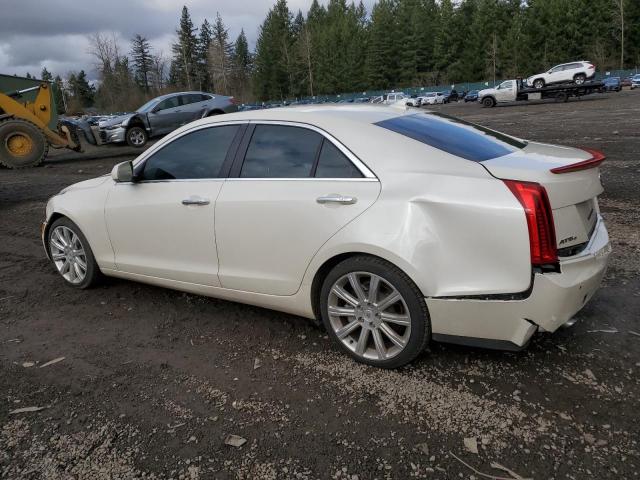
(148, 106)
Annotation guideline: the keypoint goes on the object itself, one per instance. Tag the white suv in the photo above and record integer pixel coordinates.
(577, 72)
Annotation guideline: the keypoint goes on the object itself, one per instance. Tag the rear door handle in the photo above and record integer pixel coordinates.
(196, 200)
(337, 198)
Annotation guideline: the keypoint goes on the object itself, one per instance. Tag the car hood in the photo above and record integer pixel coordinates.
(85, 184)
(486, 91)
(117, 120)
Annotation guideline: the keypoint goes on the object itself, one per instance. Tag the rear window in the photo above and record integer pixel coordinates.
(454, 136)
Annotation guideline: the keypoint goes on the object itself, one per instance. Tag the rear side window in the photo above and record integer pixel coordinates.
(278, 151)
(454, 136)
(199, 154)
(332, 163)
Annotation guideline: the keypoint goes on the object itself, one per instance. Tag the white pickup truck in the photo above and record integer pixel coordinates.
(514, 90)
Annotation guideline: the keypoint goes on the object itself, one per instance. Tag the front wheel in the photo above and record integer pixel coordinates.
(374, 312)
(71, 255)
(539, 83)
(136, 137)
(22, 144)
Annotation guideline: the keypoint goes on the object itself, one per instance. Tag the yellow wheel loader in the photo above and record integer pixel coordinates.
(29, 124)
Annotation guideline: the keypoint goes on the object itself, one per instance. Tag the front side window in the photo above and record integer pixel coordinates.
(199, 154)
(167, 103)
(505, 85)
(332, 163)
(557, 69)
(278, 151)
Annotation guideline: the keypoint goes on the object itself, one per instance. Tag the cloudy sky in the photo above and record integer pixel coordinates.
(53, 33)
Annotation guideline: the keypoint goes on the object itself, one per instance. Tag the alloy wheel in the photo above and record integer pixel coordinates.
(68, 254)
(136, 137)
(369, 316)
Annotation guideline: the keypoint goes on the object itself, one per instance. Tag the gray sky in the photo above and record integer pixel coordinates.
(53, 33)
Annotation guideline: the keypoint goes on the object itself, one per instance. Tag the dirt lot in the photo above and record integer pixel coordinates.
(154, 380)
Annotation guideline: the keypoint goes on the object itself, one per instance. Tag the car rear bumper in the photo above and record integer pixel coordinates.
(509, 324)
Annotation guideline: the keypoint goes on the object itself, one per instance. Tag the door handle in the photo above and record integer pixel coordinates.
(336, 198)
(195, 200)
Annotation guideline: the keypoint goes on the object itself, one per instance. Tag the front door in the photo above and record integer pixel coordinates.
(162, 225)
(166, 117)
(291, 193)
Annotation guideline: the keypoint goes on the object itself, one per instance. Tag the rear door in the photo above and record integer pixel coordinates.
(292, 187)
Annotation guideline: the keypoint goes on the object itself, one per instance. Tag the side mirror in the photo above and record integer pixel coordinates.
(122, 172)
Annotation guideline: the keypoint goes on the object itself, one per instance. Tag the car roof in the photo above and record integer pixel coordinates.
(169, 95)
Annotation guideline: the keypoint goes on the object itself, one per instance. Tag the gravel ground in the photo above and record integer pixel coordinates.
(153, 381)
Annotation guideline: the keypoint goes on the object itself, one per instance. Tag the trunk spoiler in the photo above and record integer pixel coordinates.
(596, 159)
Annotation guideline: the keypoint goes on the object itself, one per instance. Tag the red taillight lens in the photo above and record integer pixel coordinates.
(233, 101)
(542, 233)
(591, 67)
(596, 159)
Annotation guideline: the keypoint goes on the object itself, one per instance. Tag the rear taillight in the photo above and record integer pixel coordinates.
(233, 101)
(591, 67)
(542, 233)
(596, 159)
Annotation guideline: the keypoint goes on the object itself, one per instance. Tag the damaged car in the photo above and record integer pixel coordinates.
(163, 115)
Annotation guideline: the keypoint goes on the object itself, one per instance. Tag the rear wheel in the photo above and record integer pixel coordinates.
(22, 144)
(488, 102)
(374, 312)
(136, 137)
(538, 83)
(562, 97)
(580, 78)
(71, 255)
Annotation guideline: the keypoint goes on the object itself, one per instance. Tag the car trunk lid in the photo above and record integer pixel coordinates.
(572, 181)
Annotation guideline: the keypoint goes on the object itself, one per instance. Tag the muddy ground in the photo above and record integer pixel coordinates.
(153, 380)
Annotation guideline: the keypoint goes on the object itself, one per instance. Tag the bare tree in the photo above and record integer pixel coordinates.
(619, 14)
(158, 72)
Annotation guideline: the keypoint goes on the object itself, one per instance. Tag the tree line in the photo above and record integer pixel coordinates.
(340, 47)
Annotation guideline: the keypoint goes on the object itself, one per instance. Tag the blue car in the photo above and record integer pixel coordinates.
(471, 96)
(612, 84)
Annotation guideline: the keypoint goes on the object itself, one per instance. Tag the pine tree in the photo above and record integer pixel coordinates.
(241, 63)
(272, 77)
(381, 62)
(220, 55)
(81, 91)
(59, 94)
(183, 64)
(202, 54)
(45, 75)
(142, 60)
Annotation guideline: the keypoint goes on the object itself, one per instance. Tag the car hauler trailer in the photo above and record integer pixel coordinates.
(515, 90)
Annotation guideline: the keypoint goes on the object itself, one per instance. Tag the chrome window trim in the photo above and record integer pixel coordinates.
(167, 140)
(359, 164)
(368, 175)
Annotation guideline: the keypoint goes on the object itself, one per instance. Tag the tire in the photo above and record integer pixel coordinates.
(136, 137)
(63, 239)
(538, 83)
(488, 102)
(368, 337)
(22, 144)
(562, 97)
(579, 79)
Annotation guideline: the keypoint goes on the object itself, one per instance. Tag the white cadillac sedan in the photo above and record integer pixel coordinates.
(391, 227)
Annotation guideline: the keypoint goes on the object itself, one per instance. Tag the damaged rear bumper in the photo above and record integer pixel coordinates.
(509, 324)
